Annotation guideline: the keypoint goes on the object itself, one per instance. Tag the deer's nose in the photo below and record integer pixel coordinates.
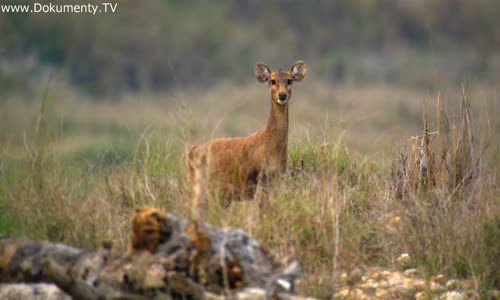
(282, 96)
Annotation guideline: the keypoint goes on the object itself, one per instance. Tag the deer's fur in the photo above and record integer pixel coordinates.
(236, 164)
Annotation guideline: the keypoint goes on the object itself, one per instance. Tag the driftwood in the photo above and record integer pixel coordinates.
(40, 291)
(191, 261)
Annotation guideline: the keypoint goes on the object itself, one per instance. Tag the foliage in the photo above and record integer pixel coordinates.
(336, 210)
(163, 44)
(448, 197)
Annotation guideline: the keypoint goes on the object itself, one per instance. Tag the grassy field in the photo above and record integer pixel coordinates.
(365, 183)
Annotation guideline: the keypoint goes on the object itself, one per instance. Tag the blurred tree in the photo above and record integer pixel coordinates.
(163, 44)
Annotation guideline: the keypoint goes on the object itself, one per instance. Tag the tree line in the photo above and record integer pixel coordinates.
(162, 44)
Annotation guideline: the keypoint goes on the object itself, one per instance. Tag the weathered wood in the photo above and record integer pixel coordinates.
(41, 291)
(193, 261)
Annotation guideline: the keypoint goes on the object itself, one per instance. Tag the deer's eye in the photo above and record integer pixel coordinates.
(273, 82)
(289, 81)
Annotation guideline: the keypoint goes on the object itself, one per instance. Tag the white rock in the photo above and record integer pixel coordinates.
(454, 284)
(453, 295)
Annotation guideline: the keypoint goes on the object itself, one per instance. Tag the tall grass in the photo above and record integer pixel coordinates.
(448, 197)
(335, 210)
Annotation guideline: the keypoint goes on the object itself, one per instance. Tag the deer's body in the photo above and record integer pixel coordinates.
(236, 164)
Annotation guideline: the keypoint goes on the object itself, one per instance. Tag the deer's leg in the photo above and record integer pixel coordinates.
(191, 161)
(248, 178)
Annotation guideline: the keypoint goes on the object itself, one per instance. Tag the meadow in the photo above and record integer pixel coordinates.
(374, 171)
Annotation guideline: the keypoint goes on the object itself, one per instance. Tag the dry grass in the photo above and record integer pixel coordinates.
(449, 197)
(78, 175)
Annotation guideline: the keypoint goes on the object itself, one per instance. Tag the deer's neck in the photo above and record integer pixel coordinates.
(276, 130)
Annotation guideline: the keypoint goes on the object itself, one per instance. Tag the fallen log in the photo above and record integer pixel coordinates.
(169, 258)
(40, 291)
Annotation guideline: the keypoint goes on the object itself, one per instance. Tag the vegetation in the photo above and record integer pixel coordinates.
(165, 44)
(73, 171)
(383, 160)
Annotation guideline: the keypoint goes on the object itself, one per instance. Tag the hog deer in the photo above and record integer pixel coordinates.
(237, 164)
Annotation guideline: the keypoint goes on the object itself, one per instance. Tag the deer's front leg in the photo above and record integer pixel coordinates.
(249, 177)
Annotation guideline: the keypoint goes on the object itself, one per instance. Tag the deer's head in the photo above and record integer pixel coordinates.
(280, 81)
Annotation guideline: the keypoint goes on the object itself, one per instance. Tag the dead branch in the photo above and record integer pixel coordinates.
(191, 262)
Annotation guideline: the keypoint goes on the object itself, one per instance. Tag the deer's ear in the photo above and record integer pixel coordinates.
(262, 72)
(299, 70)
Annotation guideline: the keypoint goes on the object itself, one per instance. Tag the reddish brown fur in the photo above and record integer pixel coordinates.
(236, 164)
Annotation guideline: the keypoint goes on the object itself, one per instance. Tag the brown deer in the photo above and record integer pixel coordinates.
(237, 164)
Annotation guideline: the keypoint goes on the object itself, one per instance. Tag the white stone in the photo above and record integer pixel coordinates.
(453, 295)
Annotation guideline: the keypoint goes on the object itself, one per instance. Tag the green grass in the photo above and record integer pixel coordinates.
(332, 210)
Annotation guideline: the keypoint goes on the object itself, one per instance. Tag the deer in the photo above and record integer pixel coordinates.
(237, 164)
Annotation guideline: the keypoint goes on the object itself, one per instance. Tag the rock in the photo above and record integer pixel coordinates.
(370, 284)
(454, 284)
(411, 273)
(494, 294)
(472, 294)
(342, 293)
(422, 296)
(468, 284)
(419, 284)
(381, 284)
(395, 279)
(381, 293)
(403, 292)
(354, 277)
(379, 275)
(351, 294)
(436, 288)
(439, 279)
(358, 294)
(403, 262)
(386, 274)
(392, 222)
(343, 277)
(403, 257)
(453, 295)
